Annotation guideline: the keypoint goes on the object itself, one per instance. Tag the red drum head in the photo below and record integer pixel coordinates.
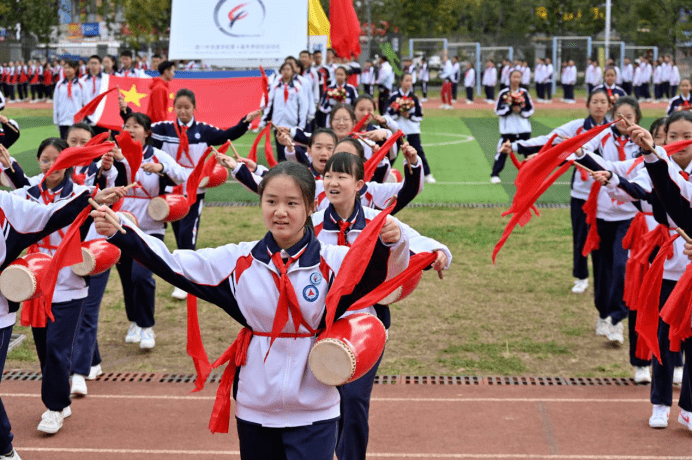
(20, 280)
(168, 208)
(4, 180)
(218, 176)
(394, 176)
(351, 349)
(404, 290)
(204, 182)
(98, 256)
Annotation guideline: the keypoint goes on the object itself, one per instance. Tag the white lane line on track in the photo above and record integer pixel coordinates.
(370, 454)
(374, 399)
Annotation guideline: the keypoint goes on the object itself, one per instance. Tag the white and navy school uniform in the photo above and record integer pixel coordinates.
(139, 286)
(456, 78)
(35, 72)
(367, 79)
(166, 136)
(639, 189)
(504, 76)
(24, 223)
(244, 279)
(538, 80)
(68, 99)
(526, 77)
(424, 76)
(331, 229)
(658, 76)
(513, 126)
(131, 72)
(287, 107)
(644, 80)
(666, 70)
(569, 79)
(385, 83)
(627, 78)
(411, 125)
(589, 78)
(614, 92)
(680, 102)
(9, 134)
(675, 193)
(54, 341)
(549, 71)
(327, 103)
(489, 82)
(674, 80)
(613, 221)
(469, 83)
(414, 75)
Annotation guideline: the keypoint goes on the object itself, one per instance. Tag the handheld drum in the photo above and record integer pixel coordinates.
(98, 256)
(168, 207)
(20, 280)
(130, 216)
(351, 349)
(218, 176)
(394, 176)
(404, 290)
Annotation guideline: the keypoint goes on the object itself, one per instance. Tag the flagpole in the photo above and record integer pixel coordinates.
(367, 3)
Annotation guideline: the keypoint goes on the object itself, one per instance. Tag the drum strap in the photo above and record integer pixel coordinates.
(235, 356)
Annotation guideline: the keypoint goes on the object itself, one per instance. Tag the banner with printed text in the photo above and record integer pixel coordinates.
(238, 29)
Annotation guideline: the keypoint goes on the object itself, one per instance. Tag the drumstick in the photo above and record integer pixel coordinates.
(129, 186)
(684, 235)
(223, 159)
(588, 170)
(6, 154)
(12, 127)
(648, 146)
(109, 215)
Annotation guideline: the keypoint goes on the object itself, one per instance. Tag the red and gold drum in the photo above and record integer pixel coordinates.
(404, 290)
(130, 216)
(20, 281)
(352, 348)
(168, 207)
(98, 256)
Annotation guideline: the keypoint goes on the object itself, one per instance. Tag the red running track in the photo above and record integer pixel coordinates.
(164, 421)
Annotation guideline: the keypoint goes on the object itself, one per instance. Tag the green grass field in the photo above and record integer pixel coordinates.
(514, 318)
(460, 145)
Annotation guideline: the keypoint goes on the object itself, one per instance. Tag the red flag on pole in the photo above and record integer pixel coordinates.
(344, 28)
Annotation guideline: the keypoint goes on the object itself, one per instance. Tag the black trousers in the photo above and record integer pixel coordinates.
(662, 373)
(627, 86)
(665, 89)
(382, 99)
(316, 441)
(540, 90)
(500, 158)
(568, 91)
(455, 87)
(548, 90)
(414, 140)
(489, 93)
(609, 270)
(424, 89)
(186, 229)
(469, 93)
(580, 230)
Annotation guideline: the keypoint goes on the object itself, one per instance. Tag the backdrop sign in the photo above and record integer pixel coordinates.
(238, 29)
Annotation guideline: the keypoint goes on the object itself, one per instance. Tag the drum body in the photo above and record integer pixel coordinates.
(404, 290)
(168, 208)
(20, 281)
(131, 217)
(349, 351)
(98, 256)
(218, 176)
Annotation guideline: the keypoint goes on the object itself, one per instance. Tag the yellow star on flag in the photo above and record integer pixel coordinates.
(133, 96)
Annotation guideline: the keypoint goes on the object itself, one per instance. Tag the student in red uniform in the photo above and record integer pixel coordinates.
(294, 416)
(159, 92)
(47, 82)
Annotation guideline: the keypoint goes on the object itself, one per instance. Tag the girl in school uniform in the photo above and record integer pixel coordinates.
(658, 80)
(340, 224)
(514, 107)
(367, 78)
(342, 92)
(11, 82)
(54, 339)
(489, 81)
(287, 105)
(612, 223)
(610, 87)
(185, 140)
(139, 286)
(34, 80)
(405, 108)
(424, 77)
(23, 81)
(674, 79)
(640, 187)
(469, 82)
(683, 100)
(68, 99)
(296, 416)
(598, 105)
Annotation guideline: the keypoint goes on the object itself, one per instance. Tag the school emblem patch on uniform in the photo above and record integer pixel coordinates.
(197, 135)
(310, 293)
(315, 278)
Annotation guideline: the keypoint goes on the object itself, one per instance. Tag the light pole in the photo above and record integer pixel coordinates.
(607, 31)
(367, 6)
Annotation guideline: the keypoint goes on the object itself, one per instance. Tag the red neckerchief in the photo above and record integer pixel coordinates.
(343, 228)
(285, 91)
(685, 175)
(69, 89)
(621, 147)
(184, 144)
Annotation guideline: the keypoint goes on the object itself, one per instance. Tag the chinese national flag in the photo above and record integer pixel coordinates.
(220, 102)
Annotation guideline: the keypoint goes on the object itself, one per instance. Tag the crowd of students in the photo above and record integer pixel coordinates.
(316, 203)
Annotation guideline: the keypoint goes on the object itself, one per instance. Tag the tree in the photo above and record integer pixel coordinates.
(35, 19)
(145, 21)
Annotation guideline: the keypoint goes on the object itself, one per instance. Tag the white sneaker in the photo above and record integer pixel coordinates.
(79, 387)
(659, 417)
(429, 179)
(133, 333)
(580, 286)
(495, 180)
(95, 372)
(51, 422)
(677, 376)
(67, 412)
(684, 418)
(454, 101)
(469, 102)
(443, 106)
(179, 294)
(602, 326)
(11, 455)
(642, 375)
(615, 332)
(147, 341)
(424, 100)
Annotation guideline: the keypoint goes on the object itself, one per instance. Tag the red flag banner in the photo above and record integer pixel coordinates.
(220, 102)
(344, 28)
